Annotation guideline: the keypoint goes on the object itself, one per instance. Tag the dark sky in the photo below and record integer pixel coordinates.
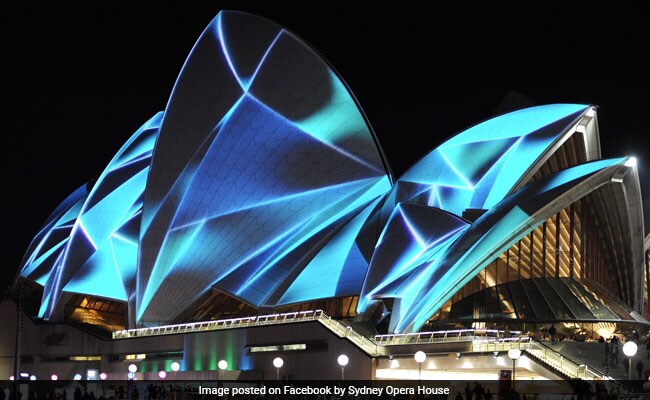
(79, 81)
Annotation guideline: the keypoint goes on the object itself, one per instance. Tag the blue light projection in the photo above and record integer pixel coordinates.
(480, 166)
(441, 275)
(51, 240)
(283, 159)
(100, 257)
(413, 232)
(263, 180)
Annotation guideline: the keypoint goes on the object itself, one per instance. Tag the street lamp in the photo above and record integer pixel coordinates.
(629, 349)
(278, 363)
(419, 357)
(175, 366)
(132, 369)
(514, 354)
(343, 361)
(223, 365)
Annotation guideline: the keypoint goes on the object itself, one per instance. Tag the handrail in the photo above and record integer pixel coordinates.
(542, 344)
(454, 335)
(559, 362)
(231, 323)
(366, 344)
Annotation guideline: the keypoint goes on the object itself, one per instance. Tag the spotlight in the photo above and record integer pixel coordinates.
(458, 355)
(631, 162)
(495, 354)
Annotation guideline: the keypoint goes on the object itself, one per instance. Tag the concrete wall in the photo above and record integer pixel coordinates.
(201, 352)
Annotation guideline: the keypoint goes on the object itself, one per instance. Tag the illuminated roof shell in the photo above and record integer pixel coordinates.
(263, 180)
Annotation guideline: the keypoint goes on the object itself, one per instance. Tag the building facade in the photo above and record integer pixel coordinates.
(262, 189)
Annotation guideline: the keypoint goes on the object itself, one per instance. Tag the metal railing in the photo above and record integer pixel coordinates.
(366, 344)
(455, 335)
(232, 323)
(560, 363)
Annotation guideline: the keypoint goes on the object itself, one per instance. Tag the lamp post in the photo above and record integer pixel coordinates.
(514, 354)
(102, 377)
(175, 366)
(132, 369)
(629, 349)
(223, 365)
(419, 357)
(278, 363)
(343, 361)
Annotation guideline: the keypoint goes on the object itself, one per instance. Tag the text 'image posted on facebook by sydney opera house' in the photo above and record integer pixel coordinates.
(253, 230)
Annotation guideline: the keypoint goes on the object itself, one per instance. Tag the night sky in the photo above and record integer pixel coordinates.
(79, 81)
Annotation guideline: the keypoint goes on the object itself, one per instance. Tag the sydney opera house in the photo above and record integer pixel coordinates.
(256, 217)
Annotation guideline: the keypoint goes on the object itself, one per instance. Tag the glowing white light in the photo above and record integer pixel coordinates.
(630, 348)
(631, 162)
(175, 366)
(394, 363)
(420, 356)
(131, 375)
(133, 368)
(103, 376)
(343, 360)
(32, 378)
(77, 377)
(54, 377)
(278, 362)
(514, 354)
(11, 378)
(223, 364)
(162, 374)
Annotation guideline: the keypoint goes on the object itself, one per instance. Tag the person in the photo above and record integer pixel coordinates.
(647, 348)
(639, 369)
(468, 392)
(459, 396)
(488, 394)
(478, 391)
(552, 331)
(614, 346)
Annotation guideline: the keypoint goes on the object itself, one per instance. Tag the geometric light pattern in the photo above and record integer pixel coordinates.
(46, 249)
(100, 256)
(263, 154)
(480, 166)
(263, 180)
(438, 276)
